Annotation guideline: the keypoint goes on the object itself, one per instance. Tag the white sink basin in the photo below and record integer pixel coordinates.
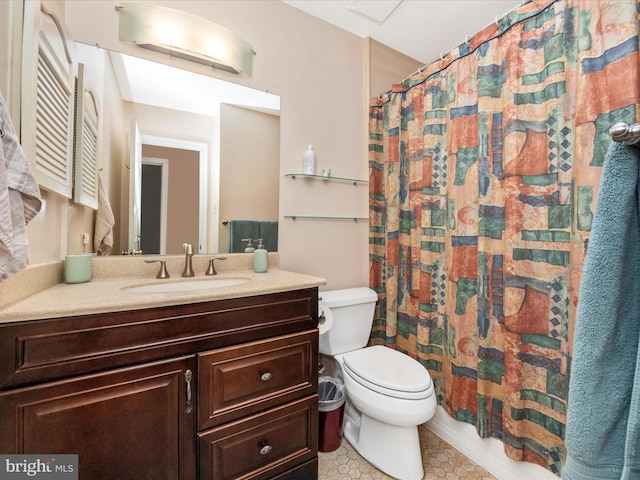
(186, 285)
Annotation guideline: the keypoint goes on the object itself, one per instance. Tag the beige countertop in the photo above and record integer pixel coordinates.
(102, 295)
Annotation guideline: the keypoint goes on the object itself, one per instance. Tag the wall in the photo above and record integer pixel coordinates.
(249, 167)
(386, 67)
(113, 148)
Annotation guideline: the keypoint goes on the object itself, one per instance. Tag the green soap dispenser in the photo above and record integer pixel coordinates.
(260, 258)
(249, 248)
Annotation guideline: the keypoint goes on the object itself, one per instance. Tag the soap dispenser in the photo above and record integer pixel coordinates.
(260, 258)
(249, 248)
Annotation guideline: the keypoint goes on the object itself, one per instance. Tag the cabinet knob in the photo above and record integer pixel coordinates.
(266, 449)
(266, 377)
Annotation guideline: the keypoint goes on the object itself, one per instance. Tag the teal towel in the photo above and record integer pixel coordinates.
(269, 235)
(239, 229)
(603, 418)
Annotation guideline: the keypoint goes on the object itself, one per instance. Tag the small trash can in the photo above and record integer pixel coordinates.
(331, 398)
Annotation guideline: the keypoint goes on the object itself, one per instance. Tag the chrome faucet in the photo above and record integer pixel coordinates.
(187, 248)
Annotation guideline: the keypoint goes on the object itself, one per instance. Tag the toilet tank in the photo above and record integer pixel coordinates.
(352, 312)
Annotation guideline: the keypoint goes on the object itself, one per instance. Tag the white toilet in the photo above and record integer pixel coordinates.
(388, 393)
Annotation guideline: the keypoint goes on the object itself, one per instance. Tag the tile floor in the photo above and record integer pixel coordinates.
(441, 461)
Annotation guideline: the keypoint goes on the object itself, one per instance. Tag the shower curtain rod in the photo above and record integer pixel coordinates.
(466, 40)
(622, 132)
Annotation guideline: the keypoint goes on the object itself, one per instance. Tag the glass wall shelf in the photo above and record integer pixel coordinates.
(330, 179)
(319, 217)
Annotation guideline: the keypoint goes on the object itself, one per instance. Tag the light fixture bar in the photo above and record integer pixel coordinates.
(185, 36)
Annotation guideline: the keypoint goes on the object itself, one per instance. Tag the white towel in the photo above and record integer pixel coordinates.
(103, 236)
(19, 198)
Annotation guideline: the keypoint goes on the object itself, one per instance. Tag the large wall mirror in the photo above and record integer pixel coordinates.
(186, 155)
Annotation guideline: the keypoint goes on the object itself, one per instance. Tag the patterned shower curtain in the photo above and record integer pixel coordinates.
(484, 174)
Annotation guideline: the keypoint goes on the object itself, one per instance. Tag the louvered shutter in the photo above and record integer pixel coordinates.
(85, 178)
(48, 101)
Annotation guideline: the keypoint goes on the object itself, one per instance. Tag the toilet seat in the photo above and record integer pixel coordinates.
(388, 372)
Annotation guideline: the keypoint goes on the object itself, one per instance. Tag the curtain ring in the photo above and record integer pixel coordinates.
(497, 22)
(441, 56)
(466, 39)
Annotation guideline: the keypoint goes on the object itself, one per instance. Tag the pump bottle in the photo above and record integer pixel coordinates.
(260, 258)
(249, 248)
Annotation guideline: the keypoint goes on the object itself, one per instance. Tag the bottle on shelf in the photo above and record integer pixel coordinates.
(309, 166)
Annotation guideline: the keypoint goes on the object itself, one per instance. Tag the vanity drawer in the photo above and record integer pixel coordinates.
(49, 349)
(261, 446)
(245, 379)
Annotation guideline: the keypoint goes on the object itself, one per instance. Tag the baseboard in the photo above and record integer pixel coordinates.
(486, 452)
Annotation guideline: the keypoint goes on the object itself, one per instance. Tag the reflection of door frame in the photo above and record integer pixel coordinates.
(163, 163)
(135, 184)
(201, 148)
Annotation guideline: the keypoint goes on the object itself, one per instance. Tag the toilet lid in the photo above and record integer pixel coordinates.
(389, 369)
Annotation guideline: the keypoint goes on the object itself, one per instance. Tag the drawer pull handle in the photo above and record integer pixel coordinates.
(188, 376)
(266, 377)
(266, 449)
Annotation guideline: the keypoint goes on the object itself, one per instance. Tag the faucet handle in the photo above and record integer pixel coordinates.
(212, 270)
(163, 268)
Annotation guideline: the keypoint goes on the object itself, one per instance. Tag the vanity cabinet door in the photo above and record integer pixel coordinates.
(279, 443)
(248, 378)
(131, 423)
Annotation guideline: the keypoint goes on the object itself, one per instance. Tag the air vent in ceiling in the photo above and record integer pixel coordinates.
(374, 10)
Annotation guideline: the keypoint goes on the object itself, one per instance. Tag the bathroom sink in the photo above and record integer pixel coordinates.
(185, 285)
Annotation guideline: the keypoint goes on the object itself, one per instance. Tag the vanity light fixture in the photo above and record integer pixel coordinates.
(182, 35)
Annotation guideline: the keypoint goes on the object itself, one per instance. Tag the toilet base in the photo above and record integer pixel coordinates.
(393, 449)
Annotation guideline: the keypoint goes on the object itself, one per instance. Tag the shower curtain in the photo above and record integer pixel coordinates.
(484, 171)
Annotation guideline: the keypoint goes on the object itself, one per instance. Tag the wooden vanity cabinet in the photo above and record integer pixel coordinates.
(128, 423)
(261, 398)
(215, 390)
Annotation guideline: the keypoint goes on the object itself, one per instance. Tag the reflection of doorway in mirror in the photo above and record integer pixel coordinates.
(182, 197)
(153, 225)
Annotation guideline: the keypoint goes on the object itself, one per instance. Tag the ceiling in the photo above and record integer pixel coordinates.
(421, 29)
